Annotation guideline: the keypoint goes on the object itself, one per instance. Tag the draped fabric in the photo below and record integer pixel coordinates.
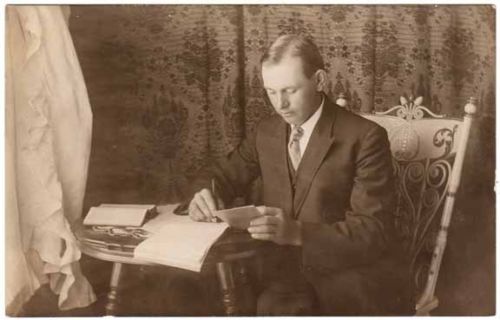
(175, 86)
(49, 124)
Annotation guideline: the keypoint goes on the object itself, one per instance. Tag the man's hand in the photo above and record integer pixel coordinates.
(203, 205)
(276, 226)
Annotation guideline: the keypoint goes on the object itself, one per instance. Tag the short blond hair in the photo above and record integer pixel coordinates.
(292, 45)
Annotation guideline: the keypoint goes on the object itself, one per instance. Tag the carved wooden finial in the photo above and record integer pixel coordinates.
(341, 101)
(470, 108)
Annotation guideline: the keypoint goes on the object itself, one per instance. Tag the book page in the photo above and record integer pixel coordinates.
(180, 242)
(134, 206)
(165, 215)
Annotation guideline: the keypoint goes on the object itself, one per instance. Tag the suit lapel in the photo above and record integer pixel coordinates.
(281, 153)
(320, 142)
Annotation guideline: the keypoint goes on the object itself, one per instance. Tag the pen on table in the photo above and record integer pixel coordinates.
(214, 219)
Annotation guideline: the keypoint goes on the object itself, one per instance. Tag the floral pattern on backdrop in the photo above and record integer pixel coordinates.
(173, 87)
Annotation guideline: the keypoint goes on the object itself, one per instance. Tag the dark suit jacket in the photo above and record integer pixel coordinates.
(344, 192)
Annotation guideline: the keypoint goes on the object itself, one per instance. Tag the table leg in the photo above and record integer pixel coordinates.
(226, 282)
(246, 300)
(113, 289)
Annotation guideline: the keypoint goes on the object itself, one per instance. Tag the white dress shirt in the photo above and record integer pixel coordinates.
(308, 128)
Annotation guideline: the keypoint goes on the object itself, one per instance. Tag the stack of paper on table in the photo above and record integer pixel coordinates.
(130, 215)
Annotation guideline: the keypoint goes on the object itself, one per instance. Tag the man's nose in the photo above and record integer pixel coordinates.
(283, 102)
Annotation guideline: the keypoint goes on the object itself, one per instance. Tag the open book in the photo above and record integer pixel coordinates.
(178, 241)
(181, 242)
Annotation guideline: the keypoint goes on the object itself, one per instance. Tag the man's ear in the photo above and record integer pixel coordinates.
(321, 80)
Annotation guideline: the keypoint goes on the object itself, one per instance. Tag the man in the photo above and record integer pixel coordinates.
(328, 195)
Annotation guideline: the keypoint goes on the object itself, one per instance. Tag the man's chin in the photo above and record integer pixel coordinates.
(290, 120)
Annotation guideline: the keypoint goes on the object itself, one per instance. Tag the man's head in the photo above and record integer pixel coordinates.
(294, 77)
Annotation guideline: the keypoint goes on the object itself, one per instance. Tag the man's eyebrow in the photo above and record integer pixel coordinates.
(285, 88)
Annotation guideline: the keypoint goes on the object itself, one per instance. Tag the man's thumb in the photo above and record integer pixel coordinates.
(262, 209)
(268, 211)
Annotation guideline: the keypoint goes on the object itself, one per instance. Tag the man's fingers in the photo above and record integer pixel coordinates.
(203, 206)
(195, 213)
(269, 211)
(209, 199)
(263, 236)
(264, 229)
(264, 220)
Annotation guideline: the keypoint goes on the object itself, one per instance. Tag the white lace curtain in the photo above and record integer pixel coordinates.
(48, 135)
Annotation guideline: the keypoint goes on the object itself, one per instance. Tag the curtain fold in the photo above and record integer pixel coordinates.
(49, 123)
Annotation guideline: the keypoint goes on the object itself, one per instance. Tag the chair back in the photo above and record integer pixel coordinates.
(428, 152)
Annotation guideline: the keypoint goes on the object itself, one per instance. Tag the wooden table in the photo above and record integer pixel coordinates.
(229, 255)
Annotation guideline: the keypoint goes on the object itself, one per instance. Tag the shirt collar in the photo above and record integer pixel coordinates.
(310, 123)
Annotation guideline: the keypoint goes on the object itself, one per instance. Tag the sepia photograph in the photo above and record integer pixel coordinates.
(250, 160)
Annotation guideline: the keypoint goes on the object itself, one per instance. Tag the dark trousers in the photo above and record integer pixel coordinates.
(378, 289)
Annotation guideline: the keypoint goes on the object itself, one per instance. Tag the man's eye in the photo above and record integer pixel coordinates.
(270, 92)
(292, 90)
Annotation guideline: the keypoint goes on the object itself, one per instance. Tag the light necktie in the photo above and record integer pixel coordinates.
(294, 146)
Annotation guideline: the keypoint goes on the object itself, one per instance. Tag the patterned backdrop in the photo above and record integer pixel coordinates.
(173, 87)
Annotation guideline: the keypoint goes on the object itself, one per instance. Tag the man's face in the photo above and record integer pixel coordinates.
(292, 94)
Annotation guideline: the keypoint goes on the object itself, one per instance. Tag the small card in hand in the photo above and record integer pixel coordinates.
(239, 217)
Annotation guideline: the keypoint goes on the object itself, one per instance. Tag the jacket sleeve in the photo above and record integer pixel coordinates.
(233, 173)
(364, 234)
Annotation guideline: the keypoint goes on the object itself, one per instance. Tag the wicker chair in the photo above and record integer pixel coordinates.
(428, 154)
